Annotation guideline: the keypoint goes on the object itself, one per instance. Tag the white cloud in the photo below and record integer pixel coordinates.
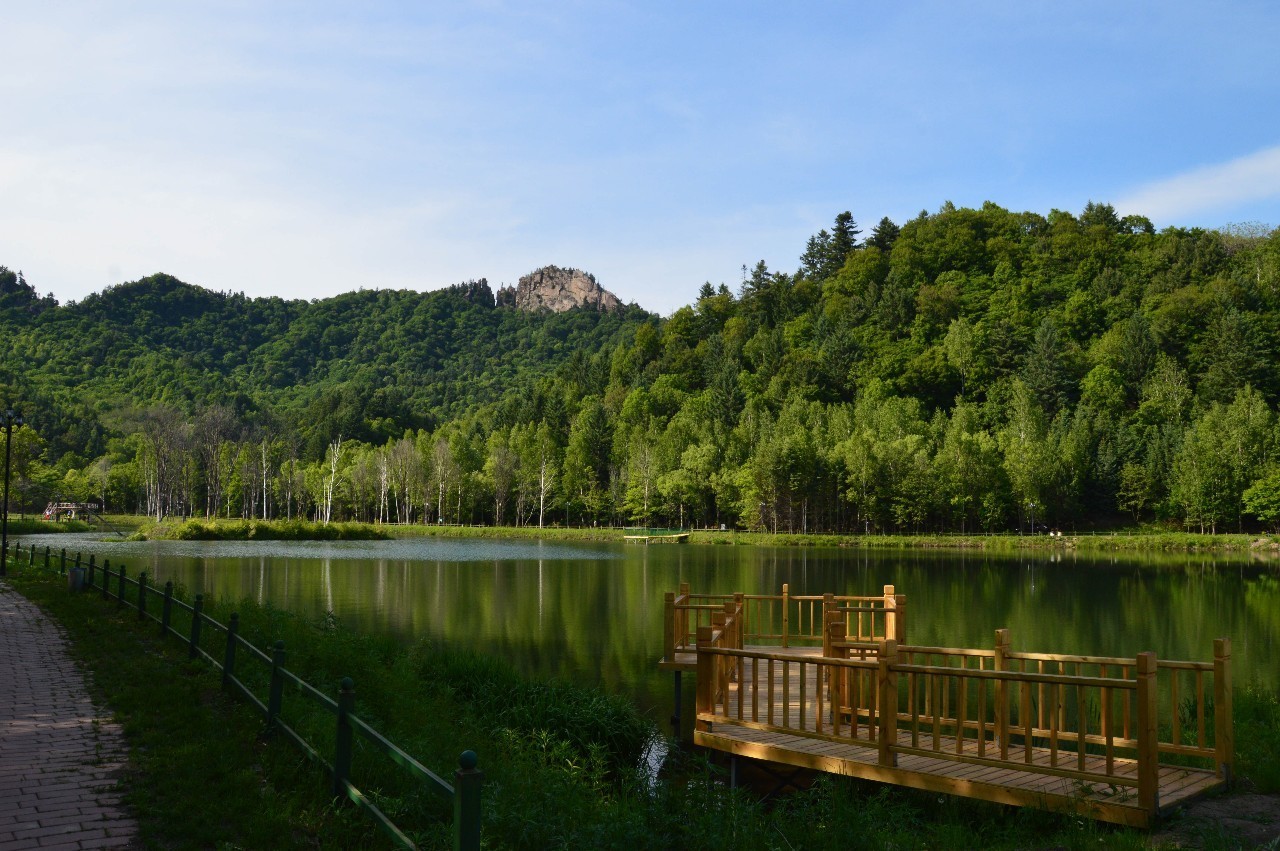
(1209, 189)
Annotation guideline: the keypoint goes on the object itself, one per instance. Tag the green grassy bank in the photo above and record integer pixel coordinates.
(1147, 538)
(257, 530)
(561, 761)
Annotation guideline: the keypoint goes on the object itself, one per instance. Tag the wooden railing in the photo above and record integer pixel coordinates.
(464, 792)
(1094, 720)
(783, 620)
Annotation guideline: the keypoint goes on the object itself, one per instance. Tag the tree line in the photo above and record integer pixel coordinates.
(971, 369)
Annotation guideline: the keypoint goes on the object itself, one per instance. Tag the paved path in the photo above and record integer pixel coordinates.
(60, 756)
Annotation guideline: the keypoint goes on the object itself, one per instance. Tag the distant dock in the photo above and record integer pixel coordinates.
(657, 536)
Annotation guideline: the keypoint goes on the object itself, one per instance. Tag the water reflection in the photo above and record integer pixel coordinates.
(594, 613)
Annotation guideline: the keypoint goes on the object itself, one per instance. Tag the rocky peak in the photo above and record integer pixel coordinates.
(557, 290)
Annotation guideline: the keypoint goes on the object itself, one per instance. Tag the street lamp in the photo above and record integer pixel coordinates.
(10, 419)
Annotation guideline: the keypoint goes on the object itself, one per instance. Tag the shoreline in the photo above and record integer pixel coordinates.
(1123, 540)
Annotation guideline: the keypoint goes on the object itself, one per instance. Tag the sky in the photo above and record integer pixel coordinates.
(308, 149)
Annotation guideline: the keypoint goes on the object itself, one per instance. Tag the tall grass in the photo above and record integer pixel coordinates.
(264, 530)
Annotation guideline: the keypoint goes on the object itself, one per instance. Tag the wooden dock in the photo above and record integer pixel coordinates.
(1116, 739)
(665, 538)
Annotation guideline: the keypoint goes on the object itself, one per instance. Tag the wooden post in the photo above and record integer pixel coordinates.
(740, 617)
(120, 589)
(705, 691)
(106, 576)
(669, 639)
(1224, 738)
(467, 783)
(275, 696)
(1148, 736)
(890, 616)
(166, 612)
(786, 615)
(142, 595)
(196, 615)
(229, 657)
(64, 561)
(836, 696)
(828, 609)
(732, 623)
(342, 745)
(46, 558)
(887, 703)
(89, 579)
(1002, 693)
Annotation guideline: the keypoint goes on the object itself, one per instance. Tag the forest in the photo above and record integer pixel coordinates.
(968, 370)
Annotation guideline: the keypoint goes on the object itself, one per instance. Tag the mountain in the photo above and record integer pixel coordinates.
(967, 369)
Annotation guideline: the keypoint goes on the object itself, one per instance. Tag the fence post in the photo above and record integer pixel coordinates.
(63, 567)
(1001, 663)
(887, 702)
(837, 690)
(1224, 740)
(89, 580)
(786, 615)
(705, 695)
(467, 781)
(197, 609)
(1148, 736)
(342, 754)
(669, 627)
(828, 605)
(31, 556)
(740, 603)
(229, 658)
(46, 558)
(276, 695)
(120, 589)
(106, 577)
(890, 616)
(166, 611)
(142, 595)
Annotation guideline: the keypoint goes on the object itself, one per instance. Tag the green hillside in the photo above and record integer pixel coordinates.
(970, 369)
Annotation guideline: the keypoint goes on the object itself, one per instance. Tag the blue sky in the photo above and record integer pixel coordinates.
(307, 149)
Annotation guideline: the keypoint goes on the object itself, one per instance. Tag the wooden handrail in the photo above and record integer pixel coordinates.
(1054, 717)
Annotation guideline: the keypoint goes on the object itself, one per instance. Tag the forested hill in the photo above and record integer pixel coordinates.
(970, 368)
(367, 365)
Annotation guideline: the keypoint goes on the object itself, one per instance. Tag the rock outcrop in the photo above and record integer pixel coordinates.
(557, 290)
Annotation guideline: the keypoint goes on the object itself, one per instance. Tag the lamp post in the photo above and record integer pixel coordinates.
(10, 419)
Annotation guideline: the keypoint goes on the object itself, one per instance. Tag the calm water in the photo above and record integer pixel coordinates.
(593, 612)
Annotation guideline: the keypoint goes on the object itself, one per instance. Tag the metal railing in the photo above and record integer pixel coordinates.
(464, 792)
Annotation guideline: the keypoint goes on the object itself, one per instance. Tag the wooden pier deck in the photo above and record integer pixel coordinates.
(1116, 739)
(672, 538)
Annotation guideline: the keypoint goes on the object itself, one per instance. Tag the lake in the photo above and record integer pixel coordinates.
(593, 612)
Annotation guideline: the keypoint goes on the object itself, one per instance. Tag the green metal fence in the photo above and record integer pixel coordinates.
(465, 790)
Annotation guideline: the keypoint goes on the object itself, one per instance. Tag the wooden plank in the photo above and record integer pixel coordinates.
(1103, 810)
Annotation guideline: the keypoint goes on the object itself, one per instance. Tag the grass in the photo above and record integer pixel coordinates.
(560, 759)
(31, 526)
(259, 530)
(1145, 538)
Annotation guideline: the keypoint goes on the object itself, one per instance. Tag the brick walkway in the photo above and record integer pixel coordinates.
(60, 756)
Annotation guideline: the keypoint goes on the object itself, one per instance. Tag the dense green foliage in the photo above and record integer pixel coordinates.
(970, 370)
